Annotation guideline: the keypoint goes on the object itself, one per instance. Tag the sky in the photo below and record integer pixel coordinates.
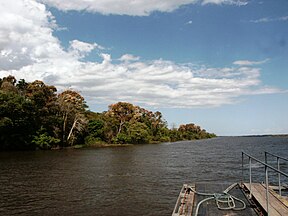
(221, 64)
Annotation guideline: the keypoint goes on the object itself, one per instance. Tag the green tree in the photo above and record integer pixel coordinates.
(44, 99)
(138, 133)
(174, 135)
(17, 122)
(123, 120)
(95, 128)
(72, 112)
(22, 86)
(110, 129)
(157, 126)
(122, 112)
(95, 131)
(44, 141)
(192, 131)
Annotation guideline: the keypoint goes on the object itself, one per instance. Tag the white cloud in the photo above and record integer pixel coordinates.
(81, 49)
(128, 58)
(249, 63)
(123, 7)
(26, 34)
(131, 7)
(30, 51)
(83, 46)
(269, 19)
(228, 2)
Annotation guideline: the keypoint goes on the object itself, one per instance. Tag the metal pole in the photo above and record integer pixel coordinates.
(242, 169)
(265, 157)
(279, 175)
(270, 167)
(267, 189)
(250, 177)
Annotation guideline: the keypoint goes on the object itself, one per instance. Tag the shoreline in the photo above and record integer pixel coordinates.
(83, 146)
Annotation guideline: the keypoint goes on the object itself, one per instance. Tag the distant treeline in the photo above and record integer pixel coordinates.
(34, 116)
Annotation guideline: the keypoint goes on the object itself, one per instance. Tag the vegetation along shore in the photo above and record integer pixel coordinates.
(34, 116)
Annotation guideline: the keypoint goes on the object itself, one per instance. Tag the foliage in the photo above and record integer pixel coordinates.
(17, 121)
(71, 109)
(125, 123)
(139, 133)
(28, 109)
(43, 141)
(34, 116)
(95, 128)
(192, 131)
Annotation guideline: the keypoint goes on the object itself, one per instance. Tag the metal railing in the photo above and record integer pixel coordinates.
(278, 167)
(267, 166)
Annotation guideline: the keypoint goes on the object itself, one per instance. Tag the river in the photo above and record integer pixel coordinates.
(134, 180)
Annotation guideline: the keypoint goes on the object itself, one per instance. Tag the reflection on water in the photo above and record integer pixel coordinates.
(136, 180)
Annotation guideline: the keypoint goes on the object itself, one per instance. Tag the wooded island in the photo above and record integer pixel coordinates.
(34, 116)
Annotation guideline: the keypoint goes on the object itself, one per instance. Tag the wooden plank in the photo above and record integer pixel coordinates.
(178, 202)
(190, 201)
(276, 188)
(276, 203)
(262, 192)
(184, 204)
(283, 199)
(276, 207)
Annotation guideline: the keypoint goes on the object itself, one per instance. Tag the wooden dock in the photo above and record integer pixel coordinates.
(277, 204)
(192, 194)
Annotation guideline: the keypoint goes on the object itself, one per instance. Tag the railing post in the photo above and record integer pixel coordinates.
(267, 189)
(279, 175)
(265, 157)
(242, 169)
(250, 177)
(267, 166)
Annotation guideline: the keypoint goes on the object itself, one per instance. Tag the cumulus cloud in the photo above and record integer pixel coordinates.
(155, 83)
(81, 49)
(131, 7)
(26, 34)
(83, 46)
(128, 58)
(30, 51)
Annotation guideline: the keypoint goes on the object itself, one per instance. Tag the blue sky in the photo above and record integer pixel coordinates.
(221, 64)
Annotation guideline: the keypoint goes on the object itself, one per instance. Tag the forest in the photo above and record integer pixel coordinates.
(33, 115)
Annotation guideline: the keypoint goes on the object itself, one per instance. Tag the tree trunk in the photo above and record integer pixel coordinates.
(72, 128)
(120, 127)
(64, 127)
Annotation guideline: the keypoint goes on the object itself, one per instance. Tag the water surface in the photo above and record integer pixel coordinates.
(136, 180)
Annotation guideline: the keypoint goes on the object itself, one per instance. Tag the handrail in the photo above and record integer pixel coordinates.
(268, 153)
(278, 167)
(266, 175)
(263, 163)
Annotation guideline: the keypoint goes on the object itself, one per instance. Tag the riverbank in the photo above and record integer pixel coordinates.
(98, 145)
(111, 145)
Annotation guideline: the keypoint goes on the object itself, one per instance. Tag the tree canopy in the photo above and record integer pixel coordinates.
(34, 116)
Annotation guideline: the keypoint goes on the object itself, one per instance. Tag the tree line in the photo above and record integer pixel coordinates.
(34, 116)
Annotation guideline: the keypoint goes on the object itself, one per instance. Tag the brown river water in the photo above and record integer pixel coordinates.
(134, 180)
